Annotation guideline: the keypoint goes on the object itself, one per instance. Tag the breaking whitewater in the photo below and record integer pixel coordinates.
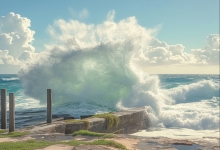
(96, 69)
(172, 101)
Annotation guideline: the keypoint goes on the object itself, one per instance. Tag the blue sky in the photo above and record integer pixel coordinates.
(185, 22)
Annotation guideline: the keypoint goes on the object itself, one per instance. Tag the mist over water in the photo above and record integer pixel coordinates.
(93, 69)
(101, 76)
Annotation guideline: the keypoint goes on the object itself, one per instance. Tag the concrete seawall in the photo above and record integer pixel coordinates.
(131, 121)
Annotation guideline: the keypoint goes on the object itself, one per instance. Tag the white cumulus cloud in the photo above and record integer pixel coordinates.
(160, 53)
(210, 53)
(15, 39)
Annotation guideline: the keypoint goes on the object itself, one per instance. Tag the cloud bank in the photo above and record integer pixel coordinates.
(16, 39)
(210, 53)
(161, 53)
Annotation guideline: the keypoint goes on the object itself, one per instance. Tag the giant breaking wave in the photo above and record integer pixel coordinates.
(93, 69)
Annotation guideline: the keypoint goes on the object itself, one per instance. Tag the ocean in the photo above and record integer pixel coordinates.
(172, 101)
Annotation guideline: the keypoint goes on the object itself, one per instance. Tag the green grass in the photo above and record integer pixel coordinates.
(24, 145)
(90, 133)
(112, 120)
(86, 122)
(2, 131)
(5, 134)
(105, 136)
(34, 144)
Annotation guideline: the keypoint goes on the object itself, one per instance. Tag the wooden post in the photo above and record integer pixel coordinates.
(11, 112)
(49, 106)
(3, 109)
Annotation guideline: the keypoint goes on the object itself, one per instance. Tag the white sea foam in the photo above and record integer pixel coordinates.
(181, 133)
(23, 102)
(10, 79)
(194, 92)
(180, 106)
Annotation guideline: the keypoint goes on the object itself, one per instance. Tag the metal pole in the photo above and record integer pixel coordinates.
(3, 109)
(49, 106)
(11, 112)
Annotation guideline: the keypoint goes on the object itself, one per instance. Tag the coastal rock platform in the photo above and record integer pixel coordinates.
(130, 141)
(131, 121)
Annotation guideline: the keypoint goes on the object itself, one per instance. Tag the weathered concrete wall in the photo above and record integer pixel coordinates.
(131, 121)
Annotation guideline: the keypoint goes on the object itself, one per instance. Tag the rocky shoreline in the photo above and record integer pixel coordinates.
(130, 141)
(131, 121)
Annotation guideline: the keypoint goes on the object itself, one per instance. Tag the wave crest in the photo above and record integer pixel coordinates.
(10, 79)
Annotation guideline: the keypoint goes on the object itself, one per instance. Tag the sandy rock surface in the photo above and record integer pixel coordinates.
(57, 147)
(131, 142)
(15, 139)
(80, 147)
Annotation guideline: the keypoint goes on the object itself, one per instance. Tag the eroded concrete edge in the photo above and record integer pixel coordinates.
(131, 120)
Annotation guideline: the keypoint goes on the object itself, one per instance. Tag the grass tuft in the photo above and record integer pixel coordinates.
(86, 122)
(24, 145)
(5, 134)
(112, 120)
(90, 133)
(86, 132)
(106, 136)
(3, 131)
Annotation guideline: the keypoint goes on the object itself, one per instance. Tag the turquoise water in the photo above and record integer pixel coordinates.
(194, 104)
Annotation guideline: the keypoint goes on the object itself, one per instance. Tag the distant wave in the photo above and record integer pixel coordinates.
(193, 92)
(9, 79)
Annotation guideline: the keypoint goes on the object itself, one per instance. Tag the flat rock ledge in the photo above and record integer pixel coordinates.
(131, 121)
(130, 141)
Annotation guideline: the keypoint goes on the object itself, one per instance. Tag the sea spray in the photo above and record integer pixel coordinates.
(100, 76)
(89, 64)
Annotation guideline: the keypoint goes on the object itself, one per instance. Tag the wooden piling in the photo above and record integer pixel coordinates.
(3, 109)
(49, 106)
(11, 112)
